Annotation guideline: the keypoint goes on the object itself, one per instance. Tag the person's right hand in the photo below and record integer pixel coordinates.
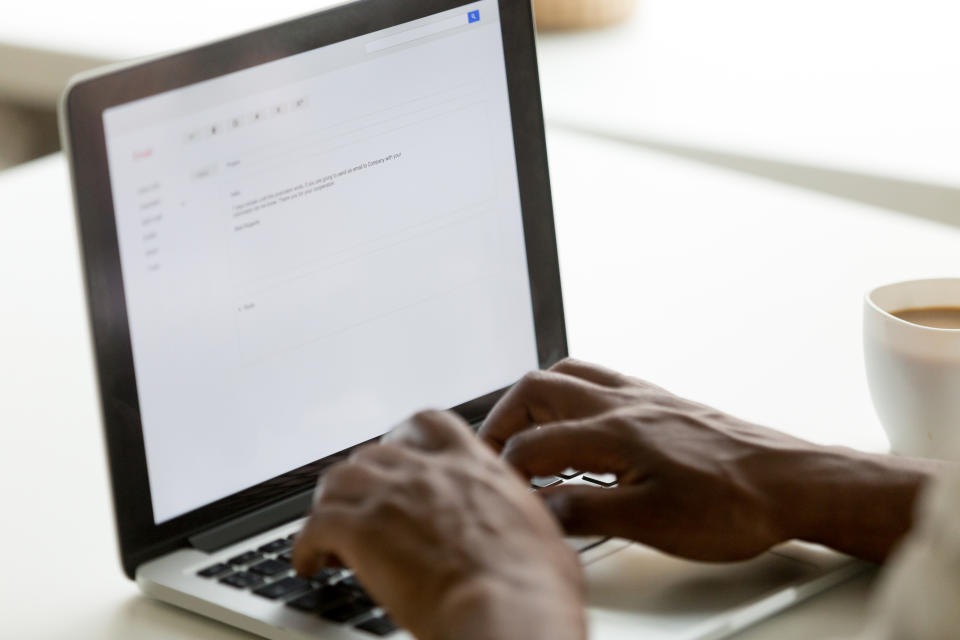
(446, 537)
(693, 481)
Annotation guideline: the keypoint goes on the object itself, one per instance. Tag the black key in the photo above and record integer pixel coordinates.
(309, 601)
(292, 536)
(358, 595)
(379, 626)
(243, 580)
(214, 570)
(324, 576)
(542, 482)
(348, 610)
(275, 547)
(270, 567)
(282, 588)
(566, 474)
(356, 590)
(319, 599)
(364, 598)
(245, 558)
(350, 581)
(286, 556)
(602, 479)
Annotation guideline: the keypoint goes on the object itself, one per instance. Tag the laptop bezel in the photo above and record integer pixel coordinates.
(82, 106)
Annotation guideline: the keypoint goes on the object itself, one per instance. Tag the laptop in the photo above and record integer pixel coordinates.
(291, 240)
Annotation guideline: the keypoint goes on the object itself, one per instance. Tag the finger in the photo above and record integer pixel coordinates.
(541, 397)
(430, 430)
(583, 510)
(578, 444)
(646, 515)
(590, 372)
(350, 482)
(328, 532)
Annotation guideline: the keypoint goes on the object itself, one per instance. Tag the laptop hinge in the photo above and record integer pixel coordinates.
(253, 523)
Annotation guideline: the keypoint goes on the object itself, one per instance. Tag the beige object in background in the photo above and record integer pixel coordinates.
(25, 134)
(580, 14)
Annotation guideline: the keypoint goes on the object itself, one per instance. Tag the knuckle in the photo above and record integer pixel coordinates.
(322, 498)
(431, 422)
(427, 429)
(532, 378)
(421, 486)
(532, 381)
(425, 415)
(335, 475)
(621, 426)
(661, 399)
(367, 452)
(564, 363)
(448, 428)
(625, 428)
(347, 474)
(389, 507)
(371, 454)
(517, 444)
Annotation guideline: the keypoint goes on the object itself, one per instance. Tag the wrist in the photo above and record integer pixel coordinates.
(854, 502)
(487, 608)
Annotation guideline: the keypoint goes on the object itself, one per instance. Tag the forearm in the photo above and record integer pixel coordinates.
(860, 504)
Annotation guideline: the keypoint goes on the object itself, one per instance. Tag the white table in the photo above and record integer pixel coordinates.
(739, 292)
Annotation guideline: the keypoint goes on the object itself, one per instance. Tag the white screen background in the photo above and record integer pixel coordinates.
(315, 248)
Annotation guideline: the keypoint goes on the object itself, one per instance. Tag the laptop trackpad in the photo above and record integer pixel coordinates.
(636, 589)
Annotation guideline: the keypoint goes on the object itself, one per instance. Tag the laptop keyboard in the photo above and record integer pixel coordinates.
(335, 594)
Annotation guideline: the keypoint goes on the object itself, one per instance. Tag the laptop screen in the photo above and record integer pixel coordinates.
(314, 248)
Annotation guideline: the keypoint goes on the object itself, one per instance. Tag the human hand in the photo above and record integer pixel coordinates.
(446, 537)
(693, 481)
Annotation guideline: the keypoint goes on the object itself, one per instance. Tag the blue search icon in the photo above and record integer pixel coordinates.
(473, 16)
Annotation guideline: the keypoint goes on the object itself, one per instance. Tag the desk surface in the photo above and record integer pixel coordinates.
(862, 85)
(739, 292)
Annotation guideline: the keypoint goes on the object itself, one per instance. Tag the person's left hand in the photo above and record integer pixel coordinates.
(694, 481)
(446, 537)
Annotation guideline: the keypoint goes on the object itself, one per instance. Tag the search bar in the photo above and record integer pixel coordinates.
(420, 32)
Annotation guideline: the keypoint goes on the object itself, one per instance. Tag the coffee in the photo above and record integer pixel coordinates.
(937, 317)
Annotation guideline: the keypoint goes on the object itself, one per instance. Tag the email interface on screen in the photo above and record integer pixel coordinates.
(314, 248)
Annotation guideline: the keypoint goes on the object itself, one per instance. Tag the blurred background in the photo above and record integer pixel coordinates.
(856, 98)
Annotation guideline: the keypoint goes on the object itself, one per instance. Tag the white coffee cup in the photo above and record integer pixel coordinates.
(914, 370)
